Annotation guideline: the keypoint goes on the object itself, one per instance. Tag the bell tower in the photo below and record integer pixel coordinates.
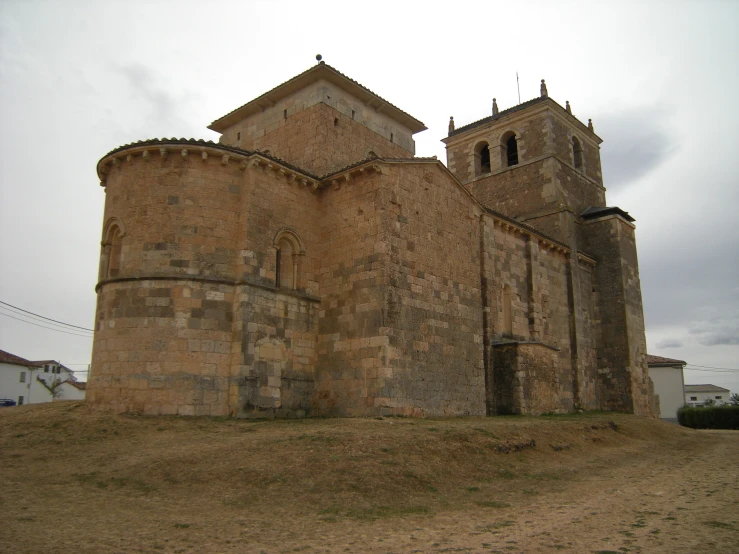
(535, 162)
(540, 165)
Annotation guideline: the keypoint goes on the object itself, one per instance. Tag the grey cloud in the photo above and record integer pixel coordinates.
(722, 329)
(163, 110)
(669, 343)
(636, 143)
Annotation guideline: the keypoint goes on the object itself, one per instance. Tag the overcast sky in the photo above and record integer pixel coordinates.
(659, 79)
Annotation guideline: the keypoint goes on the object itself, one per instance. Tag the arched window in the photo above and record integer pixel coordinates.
(577, 152)
(482, 158)
(285, 264)
(507, 311)
(114, 262)
(112, 249)
(288, 249)
(509, 149)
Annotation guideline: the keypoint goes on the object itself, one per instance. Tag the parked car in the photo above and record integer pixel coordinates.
(6, 402)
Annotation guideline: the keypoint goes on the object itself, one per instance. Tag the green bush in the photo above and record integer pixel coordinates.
(711, 417)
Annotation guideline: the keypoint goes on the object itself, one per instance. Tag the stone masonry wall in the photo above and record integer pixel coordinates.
(537, 279)
(528, 379)
(433, 315)
(162, 347)
(303, 130)
(275, 328)
(163, 333)
(352, 350)
(623, 382)
(532, 141)
(322, 139)
(561, 141)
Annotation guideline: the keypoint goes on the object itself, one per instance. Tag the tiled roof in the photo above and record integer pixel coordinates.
(382, 159)
(592, 212)
(321, 69)
(704, 388)
(653, 360)
(8, 358)
(490, 118)
(209, 144)
(75, 384)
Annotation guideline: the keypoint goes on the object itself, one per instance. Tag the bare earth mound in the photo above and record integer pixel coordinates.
(77, 481)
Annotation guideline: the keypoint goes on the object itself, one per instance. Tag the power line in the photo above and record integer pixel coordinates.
(36, 321)
(734, 372)
(30, 319)
(711, 367)
(46, 318)
(51, 328)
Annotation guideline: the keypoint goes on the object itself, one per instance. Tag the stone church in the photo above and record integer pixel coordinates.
(309, 264)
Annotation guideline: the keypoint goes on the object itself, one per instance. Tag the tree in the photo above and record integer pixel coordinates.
(709, 402)
(734, 399)
(55, 388)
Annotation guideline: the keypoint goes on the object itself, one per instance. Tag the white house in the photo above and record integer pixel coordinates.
(32, 382)
(696, 395)
(72, 390)
(19, 380)
(55, 372)
(667, 376)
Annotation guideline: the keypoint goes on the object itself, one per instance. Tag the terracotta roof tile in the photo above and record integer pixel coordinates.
(490, 118)
(8, 358)
(704, 388)
(591, 212)
(661, 360)
(414, 124)
(209, 144)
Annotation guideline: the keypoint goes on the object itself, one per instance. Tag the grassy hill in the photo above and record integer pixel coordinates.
(80, 481)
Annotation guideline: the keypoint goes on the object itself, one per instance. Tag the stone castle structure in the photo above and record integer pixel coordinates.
(309, 264)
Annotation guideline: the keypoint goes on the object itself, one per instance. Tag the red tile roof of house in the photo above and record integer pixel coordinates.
(8, 358)
(704, 388)
(653, 360)
(75, 384)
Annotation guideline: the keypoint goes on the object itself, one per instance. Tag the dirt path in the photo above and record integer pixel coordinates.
(651, 501)
(72, 481)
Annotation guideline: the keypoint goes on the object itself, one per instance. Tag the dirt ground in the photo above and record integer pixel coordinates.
(74, 481)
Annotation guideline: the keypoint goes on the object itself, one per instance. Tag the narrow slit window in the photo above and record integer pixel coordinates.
(285, 274)
(577, 153)
(284, 114)
(507, 311)
(512, 151)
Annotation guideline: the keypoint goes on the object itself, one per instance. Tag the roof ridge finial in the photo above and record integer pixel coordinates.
(544, 92)
(567, 107)
(495, 107)
(319, 58)
(590, 126)
(451, 124)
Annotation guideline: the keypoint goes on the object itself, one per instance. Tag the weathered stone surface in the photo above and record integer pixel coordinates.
(234, 284)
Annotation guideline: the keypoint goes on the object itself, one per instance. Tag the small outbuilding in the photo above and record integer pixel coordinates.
(698, 395)
(669, 384)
